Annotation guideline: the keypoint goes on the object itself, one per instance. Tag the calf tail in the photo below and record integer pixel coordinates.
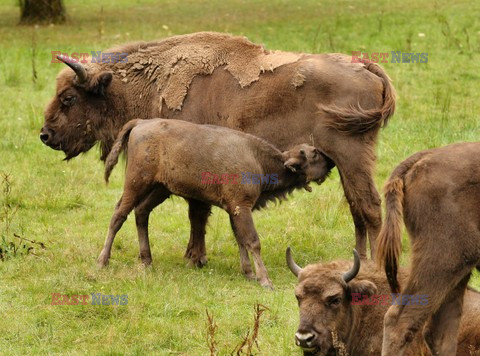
(118, 147)
(355, 120)
(389, 241)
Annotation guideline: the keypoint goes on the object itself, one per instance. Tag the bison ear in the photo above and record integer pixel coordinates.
(99, 83)
(362, 287)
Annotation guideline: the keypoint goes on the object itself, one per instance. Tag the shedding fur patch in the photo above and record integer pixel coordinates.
(298, 80)
(173, 63)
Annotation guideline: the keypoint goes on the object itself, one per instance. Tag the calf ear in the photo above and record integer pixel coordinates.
(99, 83)
(362, 287)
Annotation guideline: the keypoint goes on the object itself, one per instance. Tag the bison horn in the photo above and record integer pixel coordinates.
(348, 276)
(291, 263)
(76, 67)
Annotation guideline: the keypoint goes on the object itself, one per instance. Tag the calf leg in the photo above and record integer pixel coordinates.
(441, 330)
(244, 258)
(247, 239)
(142, 214)
(134, 191)
(198, 213)
(124, 206)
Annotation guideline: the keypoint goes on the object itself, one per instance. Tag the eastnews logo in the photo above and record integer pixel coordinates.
(382, 57)
(389, 299)
(83, 299)
(234, 178)
(97, 57)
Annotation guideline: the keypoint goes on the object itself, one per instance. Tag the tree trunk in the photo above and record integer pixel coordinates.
(42, 11)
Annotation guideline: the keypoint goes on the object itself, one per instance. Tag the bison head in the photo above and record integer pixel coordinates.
(308, 161)
(324, 297)
(76, 116)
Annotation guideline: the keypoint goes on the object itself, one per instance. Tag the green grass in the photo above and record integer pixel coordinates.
(67, 206)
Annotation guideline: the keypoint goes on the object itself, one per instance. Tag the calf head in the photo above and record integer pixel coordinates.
(308, 161)
(76, 115)
(324, 295)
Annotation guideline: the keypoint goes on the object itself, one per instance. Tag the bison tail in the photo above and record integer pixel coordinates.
(355, 119)
(389, 241)
(389, 95)
(118, 147)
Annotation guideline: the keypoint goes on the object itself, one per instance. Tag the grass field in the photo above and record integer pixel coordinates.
(67, 206)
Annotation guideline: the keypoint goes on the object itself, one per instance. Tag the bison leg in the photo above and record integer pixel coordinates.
(355, 162)
(433, 284)
(247, 239)
(244, 258)
(124, 206)
(142, 214)
(198, 213)
(441, 331)
(360, 232)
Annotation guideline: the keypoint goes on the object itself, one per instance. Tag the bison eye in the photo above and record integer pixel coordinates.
(334, 301)
(68, 100)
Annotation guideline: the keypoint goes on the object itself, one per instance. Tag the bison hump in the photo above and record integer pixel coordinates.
(174, 62)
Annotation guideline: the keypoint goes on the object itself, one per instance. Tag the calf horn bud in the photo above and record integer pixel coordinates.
(348, 276)
(76, 67)
(291, 263)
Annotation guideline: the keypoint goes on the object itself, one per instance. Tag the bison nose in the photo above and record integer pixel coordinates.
(46, 135)
(305, 339)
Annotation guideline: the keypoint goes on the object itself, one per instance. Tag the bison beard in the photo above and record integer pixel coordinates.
(210, 78)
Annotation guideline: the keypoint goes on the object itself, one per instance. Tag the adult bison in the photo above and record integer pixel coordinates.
(437, 192)
(211, 78)
(342, 307)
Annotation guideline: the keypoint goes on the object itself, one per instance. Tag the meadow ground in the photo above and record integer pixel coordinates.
(67, 206)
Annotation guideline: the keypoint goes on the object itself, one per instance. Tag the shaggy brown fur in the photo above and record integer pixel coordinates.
(173, 63)
(168, 156)
(285, 98)
(437, 192)
(325, 303)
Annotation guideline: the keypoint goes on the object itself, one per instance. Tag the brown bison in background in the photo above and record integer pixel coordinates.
(212, 78)
(163, 159)
(341, 313)
(437, 192)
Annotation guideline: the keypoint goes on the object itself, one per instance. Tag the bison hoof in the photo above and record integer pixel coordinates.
(267, 284)
(250, 276)
(146, 260)
(102, 261)
(198, 262)
(201, 262)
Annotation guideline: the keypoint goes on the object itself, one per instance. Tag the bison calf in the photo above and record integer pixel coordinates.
(167, 157)
(342, 306)
(437, 193)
